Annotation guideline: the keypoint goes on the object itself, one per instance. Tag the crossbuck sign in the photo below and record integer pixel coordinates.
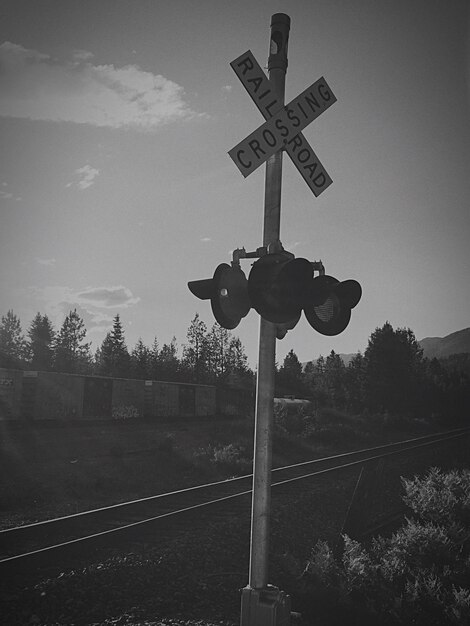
(283, 126)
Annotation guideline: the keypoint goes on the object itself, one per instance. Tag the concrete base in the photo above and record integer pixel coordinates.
(265, 607)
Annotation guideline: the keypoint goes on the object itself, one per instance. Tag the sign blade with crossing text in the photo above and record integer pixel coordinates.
(283, 126)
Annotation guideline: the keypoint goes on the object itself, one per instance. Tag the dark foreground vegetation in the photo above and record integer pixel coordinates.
(193, 577)
(419, 575)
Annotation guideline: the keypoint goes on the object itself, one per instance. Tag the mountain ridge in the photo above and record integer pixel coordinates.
(433, 347)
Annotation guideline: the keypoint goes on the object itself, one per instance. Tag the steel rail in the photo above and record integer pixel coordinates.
(91, 512)
(450, 435)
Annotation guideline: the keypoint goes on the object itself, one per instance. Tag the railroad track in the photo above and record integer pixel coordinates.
(45, 541)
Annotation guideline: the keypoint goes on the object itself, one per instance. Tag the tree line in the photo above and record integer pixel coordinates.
(391, 377)
(208, 356)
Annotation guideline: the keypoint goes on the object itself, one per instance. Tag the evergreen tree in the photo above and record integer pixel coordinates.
(121, 358)
(71, 354)
(355, 375)
(153, 360)
(335, 379)
(114, 357)
(168, 362)
(195, 352)
(237, 359)
(393, 370)
(315, 381)
(218, 343)
(104, 356)
(12, 342)
(140, 360)
(290, 379)
(41, 343)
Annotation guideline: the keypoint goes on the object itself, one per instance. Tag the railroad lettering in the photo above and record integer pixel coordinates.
(311, 167)
(312, 102)
(255, 146)
(247, 64)
(305, 115)
(306, 157)
(322, 178)
(324, 93)
(239, 158)
(293, 117)
(296, 142)
(269, 106)
(257, 80)
(269, 138)
(281, 127)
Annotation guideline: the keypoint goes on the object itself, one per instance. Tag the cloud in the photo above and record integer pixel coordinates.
(108, 297)
(227, 88)
(86, 175)
(46, 262)
(35, 86)
(205, 239)
(7, 195)
(93, 304)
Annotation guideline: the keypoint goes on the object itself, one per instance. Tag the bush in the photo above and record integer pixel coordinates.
(420, 575)
(229, 457)
(442, 498)
(122, 412)
(288, 421)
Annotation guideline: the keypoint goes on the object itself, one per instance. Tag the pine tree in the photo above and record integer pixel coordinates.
(140, 360)
(237, 358)
(12, 342)
(121, 358)
(41, 341)
(218, 352)
(355, 375)
(290, 376)
(114, 357)
(71, 354)
(394, 365)
(335, 379)
(195, 352)
(104, 356)
(153, 360)
(168, 362)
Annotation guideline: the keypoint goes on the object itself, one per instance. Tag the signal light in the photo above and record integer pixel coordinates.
(328, 308)
(280, 287)
(228, 292)
(277, 287)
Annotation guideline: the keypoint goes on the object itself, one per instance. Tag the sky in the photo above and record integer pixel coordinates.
(116, 189)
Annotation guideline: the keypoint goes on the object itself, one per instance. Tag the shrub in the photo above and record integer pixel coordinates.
(123, 412)
(443, 498)
(420, 575)
(229, 457)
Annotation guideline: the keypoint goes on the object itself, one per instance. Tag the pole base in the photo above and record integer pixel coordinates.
(265, 607)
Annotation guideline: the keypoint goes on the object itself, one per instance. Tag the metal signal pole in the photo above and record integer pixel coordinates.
(263, 605)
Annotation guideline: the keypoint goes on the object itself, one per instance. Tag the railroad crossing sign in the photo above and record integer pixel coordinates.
(283, 126)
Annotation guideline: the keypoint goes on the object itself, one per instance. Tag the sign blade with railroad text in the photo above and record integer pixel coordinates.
(283, 126)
